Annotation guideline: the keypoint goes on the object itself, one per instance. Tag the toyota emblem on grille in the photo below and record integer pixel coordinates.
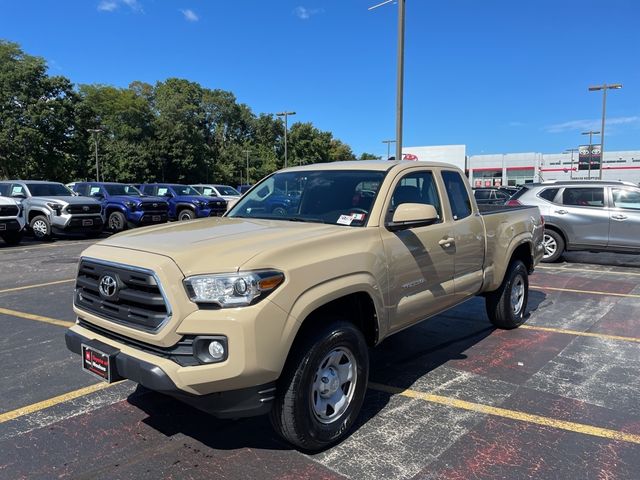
(155, 204)
(85, 208)
(108, 286)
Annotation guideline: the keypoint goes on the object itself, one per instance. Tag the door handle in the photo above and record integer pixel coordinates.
(562, 212)
(619, 217)
(447, 242)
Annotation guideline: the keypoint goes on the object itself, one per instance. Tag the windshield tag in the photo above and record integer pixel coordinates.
(358, 217)
(345, 220)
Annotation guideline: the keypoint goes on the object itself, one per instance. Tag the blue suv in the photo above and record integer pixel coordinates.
(124, 205)
(185, 202)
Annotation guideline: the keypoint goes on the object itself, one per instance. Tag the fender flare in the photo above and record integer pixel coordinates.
(494, 278)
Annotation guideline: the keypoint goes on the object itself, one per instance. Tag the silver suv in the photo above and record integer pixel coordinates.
(50, 207)
(594, 216)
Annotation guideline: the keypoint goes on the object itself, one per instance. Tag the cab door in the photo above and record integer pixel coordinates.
(583, 216)
(468, 235)
(420, 260)
(624, 214)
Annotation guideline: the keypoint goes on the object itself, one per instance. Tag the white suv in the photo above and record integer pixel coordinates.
(11, 221)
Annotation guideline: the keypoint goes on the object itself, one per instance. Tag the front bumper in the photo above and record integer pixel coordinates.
(139, 218)
(76, 223)
(244, 402)
(10, 225)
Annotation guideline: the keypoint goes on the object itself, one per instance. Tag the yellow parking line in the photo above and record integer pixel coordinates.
(589, 292)
(38, 318)
(510, 414)
(581, 334)
(37, 285)
(50, 402)
(569, 269)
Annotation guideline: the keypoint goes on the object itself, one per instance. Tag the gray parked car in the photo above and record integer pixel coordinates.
(50, 207)
(585, 215)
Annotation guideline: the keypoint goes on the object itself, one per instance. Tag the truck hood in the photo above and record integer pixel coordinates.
(137, 200)
(70, 200)
(194, 198)
(218, 245)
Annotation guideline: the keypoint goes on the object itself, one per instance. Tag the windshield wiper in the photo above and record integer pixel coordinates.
(304, 219)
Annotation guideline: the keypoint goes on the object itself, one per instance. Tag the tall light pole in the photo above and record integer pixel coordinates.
(591, 133)
(572, 151)
(389, 142)
(285, 114)
(604, 87)
(399, 73)
(96, 132)
(247, 154)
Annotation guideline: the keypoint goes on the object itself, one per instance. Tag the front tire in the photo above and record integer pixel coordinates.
(322, 387)
(41, 227)
(186, 214)
(553, 245)
(117, 222)
(507, 305)
(12, 238)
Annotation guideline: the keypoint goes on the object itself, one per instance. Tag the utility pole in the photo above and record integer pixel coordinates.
(389, 142)
(604, 87)
(96, 132)
(591, 133)
(247, 153)
(399, 73)
(285, 114)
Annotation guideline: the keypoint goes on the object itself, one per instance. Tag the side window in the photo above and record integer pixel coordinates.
(162, 191)
(457, 194)
(501, 195)
(150, 190)
(207, 191)
(93, 190)
(82, 189)
(418, 187)
(626, 198)
(583, 197)
(17, 189)
(482, 194)
(4, 189)
(548, 194)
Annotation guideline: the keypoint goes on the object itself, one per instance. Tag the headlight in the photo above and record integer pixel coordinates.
(55, 206)
(232, 289)
(131, 205)
(200, 203)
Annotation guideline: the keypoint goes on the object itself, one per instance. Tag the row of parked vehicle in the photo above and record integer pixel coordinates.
(49, 208)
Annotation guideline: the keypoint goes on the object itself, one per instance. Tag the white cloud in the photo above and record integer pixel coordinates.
(113, 5)
(304, 13)
(574, 125)
(190, 15)
(107, 6)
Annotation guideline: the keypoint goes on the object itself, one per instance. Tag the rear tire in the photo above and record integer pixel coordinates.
(186, 214)
(40, 227)
(12, 238)
(553, 245)
(117, 222)
(506, 306)
(321, 390)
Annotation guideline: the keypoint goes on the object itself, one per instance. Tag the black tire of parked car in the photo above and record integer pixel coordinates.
(553, 237)
(295, 413)
(186, 214)
(117, 222)
(506, 306)
(41, 227)
(12, 238)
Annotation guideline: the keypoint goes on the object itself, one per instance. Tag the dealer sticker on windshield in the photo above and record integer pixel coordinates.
(345, 220)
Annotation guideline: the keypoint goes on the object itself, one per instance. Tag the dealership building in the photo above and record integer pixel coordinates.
(518, 168)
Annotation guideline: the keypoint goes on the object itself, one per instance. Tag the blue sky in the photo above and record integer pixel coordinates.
(498, 76)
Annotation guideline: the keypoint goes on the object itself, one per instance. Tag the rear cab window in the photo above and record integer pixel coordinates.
(457, 194)
(583, 197)
(549, 194)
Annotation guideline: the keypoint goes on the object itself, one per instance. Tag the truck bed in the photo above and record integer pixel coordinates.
(491, 209)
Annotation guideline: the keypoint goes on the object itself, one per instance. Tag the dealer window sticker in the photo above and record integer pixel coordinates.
(345, 220)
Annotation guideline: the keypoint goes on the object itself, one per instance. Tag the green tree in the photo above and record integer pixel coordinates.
(369, 156)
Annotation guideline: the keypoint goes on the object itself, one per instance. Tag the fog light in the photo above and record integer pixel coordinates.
(216, 350)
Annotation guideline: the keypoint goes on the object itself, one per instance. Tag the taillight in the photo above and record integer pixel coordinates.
(513, 203)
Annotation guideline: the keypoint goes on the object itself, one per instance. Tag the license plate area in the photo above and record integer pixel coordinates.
(2, 227)
(155, 218)
(100, 362)
(87, 223)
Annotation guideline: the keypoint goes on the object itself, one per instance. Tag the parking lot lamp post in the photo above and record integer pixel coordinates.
(96, 132)
(389, 142)
(399, 73)
(591, 133)
(285, 114)
(604, 87)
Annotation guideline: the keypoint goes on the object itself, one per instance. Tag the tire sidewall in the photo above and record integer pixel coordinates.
(516, 269)
(559, 246)
(37, 234)
(121, 217)
(186, 214)
(320, 433)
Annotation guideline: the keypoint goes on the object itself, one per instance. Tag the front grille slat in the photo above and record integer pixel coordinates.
(154, 207)
(137, 301)
(83, 209)
(9, 211)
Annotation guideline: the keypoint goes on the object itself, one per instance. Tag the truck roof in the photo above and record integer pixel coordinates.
(379, 165)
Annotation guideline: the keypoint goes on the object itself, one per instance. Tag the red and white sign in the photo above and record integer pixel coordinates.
(409, 156)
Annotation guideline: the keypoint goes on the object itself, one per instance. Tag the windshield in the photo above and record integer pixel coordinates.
(225, 190)
(49, 190)
(118, 189)
(341, 197)
(184, 190)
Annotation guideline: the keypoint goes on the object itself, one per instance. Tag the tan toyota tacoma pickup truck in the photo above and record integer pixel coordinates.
(273, 311)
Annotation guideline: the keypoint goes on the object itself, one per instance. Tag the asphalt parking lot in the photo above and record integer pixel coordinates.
(450, 398)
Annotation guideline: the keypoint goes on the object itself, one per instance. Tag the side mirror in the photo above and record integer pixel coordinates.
(19, 195)
(411, 215)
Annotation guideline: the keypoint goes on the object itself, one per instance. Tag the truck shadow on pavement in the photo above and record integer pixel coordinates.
(399, 361)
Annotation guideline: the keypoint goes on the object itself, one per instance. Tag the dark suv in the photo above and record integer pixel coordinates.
(585, 215)
(124, 205)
